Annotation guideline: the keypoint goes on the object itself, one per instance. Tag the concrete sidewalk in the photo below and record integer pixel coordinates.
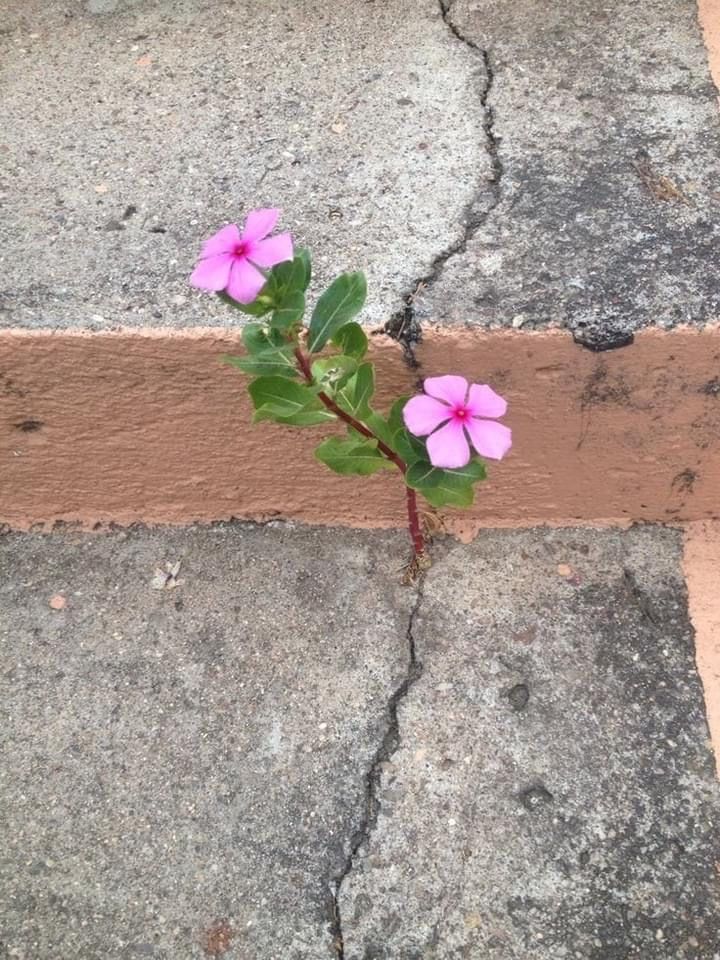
(284, 755)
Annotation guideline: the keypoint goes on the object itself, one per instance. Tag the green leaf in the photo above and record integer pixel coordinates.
(284, 281)
(410, 448)
(395, 417)
(257, 338)
(282, 397)
(355, 395)
(291, 311)
(303, 255)
(331, 372)
(445, 488)
(270, 362)
(303, 418)
(290, 276)
(351, 456)
(261, 305)
(352, 340)
(342, 300)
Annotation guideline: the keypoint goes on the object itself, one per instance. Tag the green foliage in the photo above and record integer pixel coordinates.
(351, 340)
(354, 396)
(256, 338)
(258, 308)
(290, 312)
(283, 293)
(445, 488)
(342, 300)
(277, 398)
(278, 395)
(409, 447)
(330, 373)
(357, 455)
(269, 353)
(279, 363)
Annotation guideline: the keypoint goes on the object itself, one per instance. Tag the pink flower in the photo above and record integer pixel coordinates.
(459, 412)
(229, 259)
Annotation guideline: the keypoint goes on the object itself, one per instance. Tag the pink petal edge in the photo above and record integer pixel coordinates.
(212, 273)
(450, 388)
(259, 223)
(490, 439)
(245, 282)
(224, 241)
(266, 253)
(423, 414)
(448, 446)
(484, 402)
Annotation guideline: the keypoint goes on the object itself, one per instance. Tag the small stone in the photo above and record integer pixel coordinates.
(535, 797)
(58, 602)
(518, 696)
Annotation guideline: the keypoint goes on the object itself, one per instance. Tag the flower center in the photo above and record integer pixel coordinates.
(240, 249)
(460, 413)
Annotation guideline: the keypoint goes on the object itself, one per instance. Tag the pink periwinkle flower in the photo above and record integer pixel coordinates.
(450, 412)
(229, 260)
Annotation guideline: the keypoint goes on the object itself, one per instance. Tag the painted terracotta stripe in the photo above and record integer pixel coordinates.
(702, 573)
(150, 426)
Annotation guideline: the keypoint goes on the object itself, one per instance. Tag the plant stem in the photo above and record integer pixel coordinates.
(416, 535)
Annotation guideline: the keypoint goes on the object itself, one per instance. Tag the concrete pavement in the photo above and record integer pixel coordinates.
(282, 753)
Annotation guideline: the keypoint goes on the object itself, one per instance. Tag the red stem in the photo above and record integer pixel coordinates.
(416, 534)
(413, 517)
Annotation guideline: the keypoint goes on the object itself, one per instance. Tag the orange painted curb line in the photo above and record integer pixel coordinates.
(701, 563)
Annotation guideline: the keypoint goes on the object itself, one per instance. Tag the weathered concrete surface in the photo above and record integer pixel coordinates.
(178, 758)
(186, 769)
(605, 134)
(553, 796)
(130, 131)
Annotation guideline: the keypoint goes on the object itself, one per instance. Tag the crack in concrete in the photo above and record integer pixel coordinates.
(388, 746)
(404, 326)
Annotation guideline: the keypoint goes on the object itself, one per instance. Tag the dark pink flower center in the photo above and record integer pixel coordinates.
(241, 249)
(460, 413)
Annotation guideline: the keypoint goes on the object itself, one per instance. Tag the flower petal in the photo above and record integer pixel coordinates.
(212, 273)
(259, 223)
(423, 414)
(451, 389)
(224, 241)
(266, 253)
(448, 446)
(489, 438)
(484, 402)
(245, 282)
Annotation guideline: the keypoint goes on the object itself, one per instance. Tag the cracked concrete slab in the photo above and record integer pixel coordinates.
(604, 128)
(189, 771)
(184, 767)
(131, 130)
(553, 795)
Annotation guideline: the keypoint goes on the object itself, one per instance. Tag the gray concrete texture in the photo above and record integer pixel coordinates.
(507, 760)
(530, 164)
(603, 124)
(130, 132)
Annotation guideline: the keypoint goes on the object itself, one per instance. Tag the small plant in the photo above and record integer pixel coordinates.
(315, 375)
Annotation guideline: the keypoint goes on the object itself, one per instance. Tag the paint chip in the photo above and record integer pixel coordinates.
(165, 576)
